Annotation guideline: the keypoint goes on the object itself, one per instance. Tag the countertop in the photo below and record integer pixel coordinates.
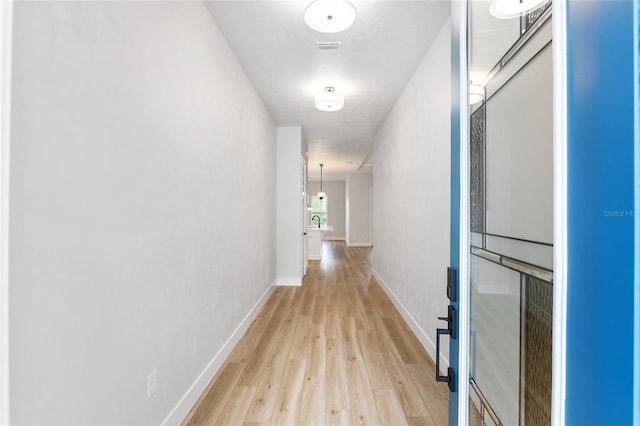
(326, 228)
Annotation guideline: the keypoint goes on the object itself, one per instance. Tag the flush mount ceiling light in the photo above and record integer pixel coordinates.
(330, 16)
(329, 100)
(506, 9)
(476, 94)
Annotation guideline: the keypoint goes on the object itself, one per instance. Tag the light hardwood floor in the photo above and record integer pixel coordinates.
(334, 351)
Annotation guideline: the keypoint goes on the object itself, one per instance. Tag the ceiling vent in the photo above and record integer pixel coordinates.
(329, 46)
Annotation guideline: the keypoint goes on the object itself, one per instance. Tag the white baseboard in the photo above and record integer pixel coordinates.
(358, 244)
(427, 343)
(314, 258)
(333, 239)
(295, 281)
(186, 403)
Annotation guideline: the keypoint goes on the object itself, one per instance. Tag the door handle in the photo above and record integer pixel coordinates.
(451, 321)
(451, 332)
(449, 378)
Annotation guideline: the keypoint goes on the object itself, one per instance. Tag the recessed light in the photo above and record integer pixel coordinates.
(330, 16)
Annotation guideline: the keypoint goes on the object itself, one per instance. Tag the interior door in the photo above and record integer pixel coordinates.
(510, 235)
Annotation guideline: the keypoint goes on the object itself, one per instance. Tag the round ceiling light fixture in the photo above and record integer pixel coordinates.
(476, 94)
(330, 16)
(506, 9)
(329, 100)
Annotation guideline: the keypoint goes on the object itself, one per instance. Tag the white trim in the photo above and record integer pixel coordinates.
(424, 339)
(309, 258)
(304, 216)
(358, 244)
(6, 30)
(295, 281)
(371, 212)
(186, 403)
(558, 384)
(464, 299)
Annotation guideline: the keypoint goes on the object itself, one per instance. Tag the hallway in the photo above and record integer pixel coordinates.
(159, 160)
(334, 351)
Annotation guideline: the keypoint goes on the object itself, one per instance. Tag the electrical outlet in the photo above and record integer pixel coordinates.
(152, 383)
(388, 268)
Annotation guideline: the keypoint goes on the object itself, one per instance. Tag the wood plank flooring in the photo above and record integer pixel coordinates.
(334, 351)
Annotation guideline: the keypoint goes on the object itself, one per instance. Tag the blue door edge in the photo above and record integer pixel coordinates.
(454, 231)
(458, 398)
(636, 346)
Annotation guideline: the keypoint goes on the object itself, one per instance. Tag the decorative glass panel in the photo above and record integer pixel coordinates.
(477, 170)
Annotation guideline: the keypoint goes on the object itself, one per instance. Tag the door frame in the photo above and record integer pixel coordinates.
(558, 354)
(305, 214)
(6, 30)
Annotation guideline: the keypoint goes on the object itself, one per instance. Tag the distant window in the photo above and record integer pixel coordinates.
(318, 208)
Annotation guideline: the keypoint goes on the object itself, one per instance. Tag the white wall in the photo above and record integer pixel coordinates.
(411, 194)
(289, 205)
(358, 209)
(139, 154)
(335, 207)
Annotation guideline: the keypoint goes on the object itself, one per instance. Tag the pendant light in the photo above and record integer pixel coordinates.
(321, 194)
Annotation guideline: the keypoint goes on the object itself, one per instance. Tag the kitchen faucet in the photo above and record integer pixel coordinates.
(313, 217)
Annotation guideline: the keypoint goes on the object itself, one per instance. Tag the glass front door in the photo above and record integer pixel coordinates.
(511, 216)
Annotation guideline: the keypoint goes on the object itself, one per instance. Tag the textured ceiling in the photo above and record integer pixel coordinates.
(378, 55)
